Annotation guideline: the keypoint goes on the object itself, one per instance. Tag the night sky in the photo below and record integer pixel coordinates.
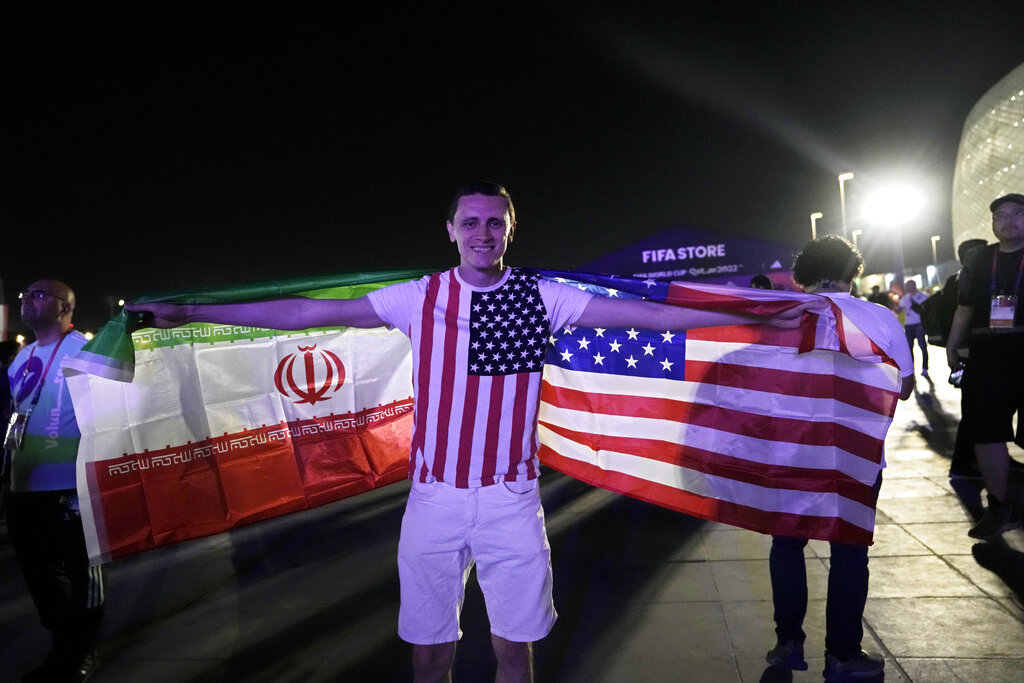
(166, 146)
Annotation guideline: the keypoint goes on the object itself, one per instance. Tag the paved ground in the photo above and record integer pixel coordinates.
(644, 594)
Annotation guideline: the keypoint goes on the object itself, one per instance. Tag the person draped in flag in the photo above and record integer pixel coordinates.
(478, 334)
(828, 266)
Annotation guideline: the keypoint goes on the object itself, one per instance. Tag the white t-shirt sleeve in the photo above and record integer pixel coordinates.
(564, 303)
(398, 304)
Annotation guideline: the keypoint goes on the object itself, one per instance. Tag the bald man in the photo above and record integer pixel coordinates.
(43, 520)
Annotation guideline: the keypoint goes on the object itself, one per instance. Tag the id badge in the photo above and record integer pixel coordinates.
(15, 431)
(1003, 307)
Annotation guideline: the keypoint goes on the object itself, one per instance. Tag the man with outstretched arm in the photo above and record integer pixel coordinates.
(473, 460)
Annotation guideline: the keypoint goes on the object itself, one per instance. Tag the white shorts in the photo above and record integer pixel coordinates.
(500, 528)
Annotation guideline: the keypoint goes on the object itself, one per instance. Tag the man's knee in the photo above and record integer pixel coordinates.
(515, 659)
(433, 662)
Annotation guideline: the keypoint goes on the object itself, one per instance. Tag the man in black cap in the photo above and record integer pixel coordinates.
(990, 317)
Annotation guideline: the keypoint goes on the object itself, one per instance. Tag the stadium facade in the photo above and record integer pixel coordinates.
(990, 160)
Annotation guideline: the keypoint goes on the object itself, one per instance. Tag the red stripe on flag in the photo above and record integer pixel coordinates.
(809, 385)
(777, 523)
(765, 475)
(154, 498)
(765, 427)
(751, 301)
(748, 334)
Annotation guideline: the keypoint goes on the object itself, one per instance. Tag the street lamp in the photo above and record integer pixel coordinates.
(814, 224)
(854, 235)
(894, 206)
(843, 177)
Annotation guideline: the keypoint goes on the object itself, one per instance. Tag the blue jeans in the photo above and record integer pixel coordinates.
(847, 592)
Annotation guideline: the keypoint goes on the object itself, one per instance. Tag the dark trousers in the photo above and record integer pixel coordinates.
(917, 332)
(847, 592)
(45, 529)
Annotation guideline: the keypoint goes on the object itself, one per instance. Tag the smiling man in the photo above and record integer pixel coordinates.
(478, 334)
(991, 319)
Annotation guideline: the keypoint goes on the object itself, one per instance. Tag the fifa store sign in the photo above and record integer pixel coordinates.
(684, 253)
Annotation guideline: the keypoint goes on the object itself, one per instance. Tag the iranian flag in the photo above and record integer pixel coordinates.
(196, 430)
(192, 431)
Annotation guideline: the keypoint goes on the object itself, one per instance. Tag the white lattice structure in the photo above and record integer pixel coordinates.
(990, 161)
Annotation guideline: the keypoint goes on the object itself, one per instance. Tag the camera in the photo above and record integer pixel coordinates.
(957, 376)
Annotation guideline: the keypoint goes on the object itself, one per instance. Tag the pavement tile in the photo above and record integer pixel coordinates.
(917, 577)
(944, 627)
(735, 544)
(1013, 606)
(893, 539)
(913, 487)
(744, 580)
(987, 581)
(752, 629)
(685, 582)
(662, 629)
(934, 509)
(943, 538)
(666, 670)
(690, 549)
(987, 670)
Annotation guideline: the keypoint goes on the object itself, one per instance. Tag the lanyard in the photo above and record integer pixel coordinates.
(42, 379)
(1020, 272)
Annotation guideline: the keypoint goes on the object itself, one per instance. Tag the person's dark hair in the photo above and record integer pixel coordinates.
(827, 258)
(967, 246)
(485, 188)
(761, 281)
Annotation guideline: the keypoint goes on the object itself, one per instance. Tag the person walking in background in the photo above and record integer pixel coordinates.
(910, 307)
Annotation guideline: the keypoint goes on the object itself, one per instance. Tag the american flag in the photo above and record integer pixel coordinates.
(780, 431)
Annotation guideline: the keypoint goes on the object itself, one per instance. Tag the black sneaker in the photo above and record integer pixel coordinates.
(85, 668)
(787, 655)
(999, 518)
(856, 668)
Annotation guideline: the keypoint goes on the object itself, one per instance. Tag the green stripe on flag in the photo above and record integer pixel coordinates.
(111, 353)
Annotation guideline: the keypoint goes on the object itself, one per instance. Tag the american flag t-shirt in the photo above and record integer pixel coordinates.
(477, 357)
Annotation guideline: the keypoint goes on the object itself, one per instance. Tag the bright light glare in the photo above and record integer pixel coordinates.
(894, 205)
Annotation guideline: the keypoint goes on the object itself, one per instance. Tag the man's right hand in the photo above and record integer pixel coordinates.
(159, 315)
